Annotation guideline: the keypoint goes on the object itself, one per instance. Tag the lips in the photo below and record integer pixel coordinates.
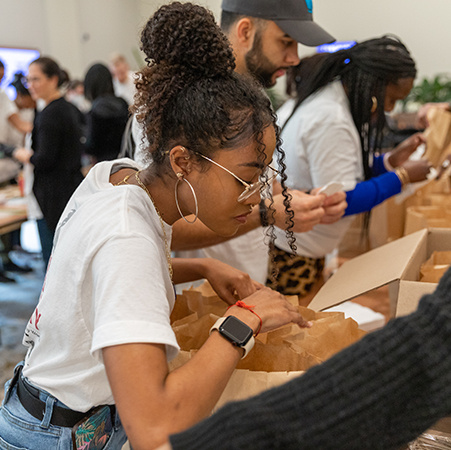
(242, 218)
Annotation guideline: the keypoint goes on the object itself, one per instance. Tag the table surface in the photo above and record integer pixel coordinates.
(13, 209)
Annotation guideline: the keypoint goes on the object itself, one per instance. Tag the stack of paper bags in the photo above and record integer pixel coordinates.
(419, 217)
(277, 356)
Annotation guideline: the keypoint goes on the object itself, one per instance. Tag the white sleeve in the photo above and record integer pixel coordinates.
(333, 152)
(9, 108)
(133, 294)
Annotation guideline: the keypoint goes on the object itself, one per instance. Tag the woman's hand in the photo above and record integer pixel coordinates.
(401, 153)
(308, 211)
(334, 207)
(22, 154)
(417, 170)
(272, 307)
(229, 283)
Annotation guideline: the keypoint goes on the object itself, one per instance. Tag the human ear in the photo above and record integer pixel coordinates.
(181, 160)
(245, 32)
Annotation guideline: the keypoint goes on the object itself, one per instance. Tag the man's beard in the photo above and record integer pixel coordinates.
(258, 65)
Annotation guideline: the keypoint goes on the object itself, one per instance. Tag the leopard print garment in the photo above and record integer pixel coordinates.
(295, 275)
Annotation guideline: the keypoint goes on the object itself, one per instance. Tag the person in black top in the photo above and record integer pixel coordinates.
(56, 148)
(108, 116)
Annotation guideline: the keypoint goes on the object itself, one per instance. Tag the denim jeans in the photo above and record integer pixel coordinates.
(20, 430)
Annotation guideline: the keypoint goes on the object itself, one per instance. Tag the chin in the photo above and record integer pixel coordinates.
(229, 232)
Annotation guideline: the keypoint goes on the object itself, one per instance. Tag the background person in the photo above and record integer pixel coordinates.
(106, 120)
(108, 294)
(332, 131)
(56, 149)
(123, 78)
(16, 139)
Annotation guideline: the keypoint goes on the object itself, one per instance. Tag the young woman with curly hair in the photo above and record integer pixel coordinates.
(100, 336)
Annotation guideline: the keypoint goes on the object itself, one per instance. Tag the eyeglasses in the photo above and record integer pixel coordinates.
(250, 189)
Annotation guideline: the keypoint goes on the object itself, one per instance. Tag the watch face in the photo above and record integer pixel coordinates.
(236, 331)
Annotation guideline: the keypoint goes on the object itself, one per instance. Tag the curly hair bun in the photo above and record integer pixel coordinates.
(186, 38)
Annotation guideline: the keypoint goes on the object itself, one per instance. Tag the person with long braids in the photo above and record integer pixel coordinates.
(100, 338)
(332, 131)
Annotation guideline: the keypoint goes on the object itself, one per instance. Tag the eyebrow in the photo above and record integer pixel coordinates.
(256, 164)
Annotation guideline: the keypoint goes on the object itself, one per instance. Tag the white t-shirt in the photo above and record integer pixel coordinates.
(322, 144)
(14, 136)
(107, 284)
(247, 252)
(7, 109)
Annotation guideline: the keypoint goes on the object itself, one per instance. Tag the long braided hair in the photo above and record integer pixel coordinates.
(365, 70)
(189, 93)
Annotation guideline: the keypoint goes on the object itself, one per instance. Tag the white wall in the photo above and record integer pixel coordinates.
(423, 25)
(76, 33)
(80, 32)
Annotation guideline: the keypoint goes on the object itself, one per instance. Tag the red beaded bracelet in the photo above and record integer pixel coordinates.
(241, 304)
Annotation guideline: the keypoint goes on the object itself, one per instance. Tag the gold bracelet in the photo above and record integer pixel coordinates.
(403, 176)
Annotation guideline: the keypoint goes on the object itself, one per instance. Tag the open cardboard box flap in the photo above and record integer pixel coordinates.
(397, 263)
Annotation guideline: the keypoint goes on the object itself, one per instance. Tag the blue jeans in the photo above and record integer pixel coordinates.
(20, 430)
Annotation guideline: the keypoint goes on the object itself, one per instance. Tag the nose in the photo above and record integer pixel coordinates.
(254, 199)
(292, 57)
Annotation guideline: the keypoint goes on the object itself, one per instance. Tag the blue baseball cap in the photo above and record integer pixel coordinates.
(294, 17)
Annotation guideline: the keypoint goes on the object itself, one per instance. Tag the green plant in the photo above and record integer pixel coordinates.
(436, 89)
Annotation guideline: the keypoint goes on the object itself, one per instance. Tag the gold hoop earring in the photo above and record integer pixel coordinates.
(374, 106)
(180, 177)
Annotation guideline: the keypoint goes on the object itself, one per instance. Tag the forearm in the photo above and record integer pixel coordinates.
(368, 194)
(189, 269)
(186, 236)
(20, 125)
(380, 393)
(153, 403)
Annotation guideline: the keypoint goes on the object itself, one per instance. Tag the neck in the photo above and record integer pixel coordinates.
(53, 96)
(162, 193)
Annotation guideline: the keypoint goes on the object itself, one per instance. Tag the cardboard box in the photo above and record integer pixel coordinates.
(396, 264)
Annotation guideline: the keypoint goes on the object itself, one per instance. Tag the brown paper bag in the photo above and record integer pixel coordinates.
(419, 217)
(434, 268)
(438, 135)
(277, 356)
(388, 219)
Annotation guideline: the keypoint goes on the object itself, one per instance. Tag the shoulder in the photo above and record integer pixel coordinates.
(60, 113)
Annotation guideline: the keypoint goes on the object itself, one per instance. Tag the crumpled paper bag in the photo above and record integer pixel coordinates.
(277, 356)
